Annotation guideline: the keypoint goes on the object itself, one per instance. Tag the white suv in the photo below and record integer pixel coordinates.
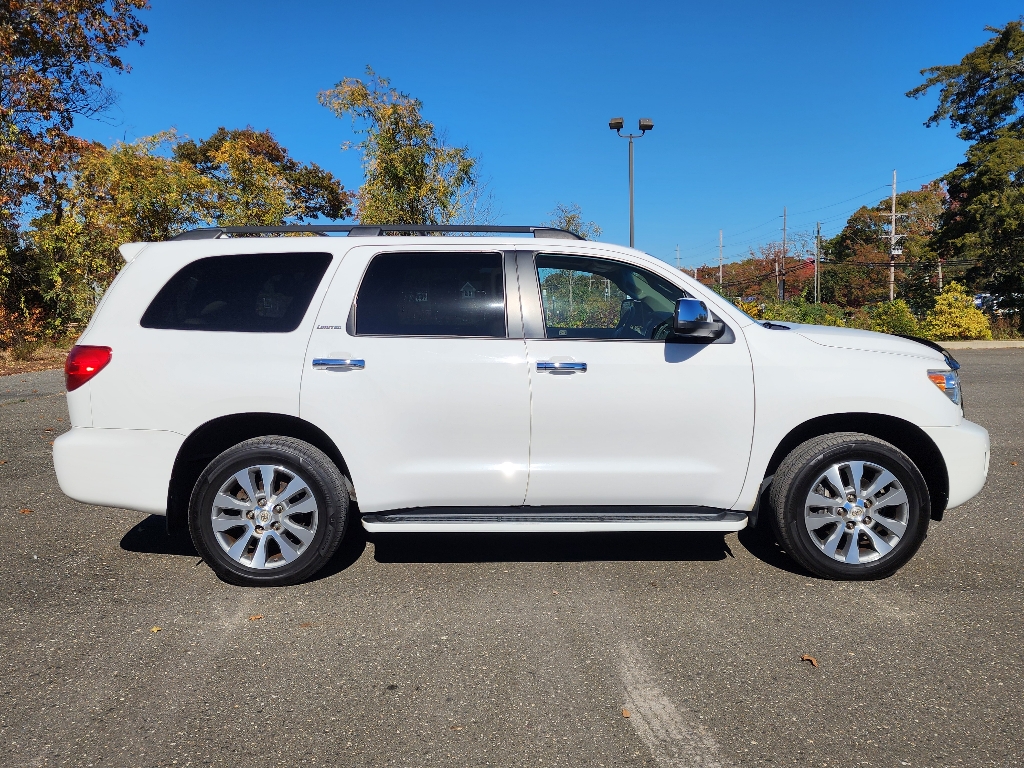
(254, 388)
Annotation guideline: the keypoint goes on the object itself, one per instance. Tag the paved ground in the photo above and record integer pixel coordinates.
(506, 651)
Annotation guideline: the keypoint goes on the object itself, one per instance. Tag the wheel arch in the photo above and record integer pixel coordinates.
(217, 435)
(908, 437)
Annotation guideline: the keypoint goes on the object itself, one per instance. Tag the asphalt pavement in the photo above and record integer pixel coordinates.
(119, 647)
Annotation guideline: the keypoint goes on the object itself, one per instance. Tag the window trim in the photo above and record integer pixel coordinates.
(351, 323)
(533, 308)
(331, 259)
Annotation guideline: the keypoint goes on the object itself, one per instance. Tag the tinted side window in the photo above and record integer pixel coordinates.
(257, 293)
(432, 294)
(587, 298)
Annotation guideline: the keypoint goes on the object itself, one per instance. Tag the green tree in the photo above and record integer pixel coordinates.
(983, 221)
(955, 316)
(411, 175)
(570, 218)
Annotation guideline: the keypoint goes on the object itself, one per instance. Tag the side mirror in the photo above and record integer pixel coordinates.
(693, 320)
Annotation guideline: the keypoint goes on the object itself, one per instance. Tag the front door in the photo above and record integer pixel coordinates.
(620, 415)
(417, 370)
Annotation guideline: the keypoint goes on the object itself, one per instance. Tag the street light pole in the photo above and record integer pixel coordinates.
(631, 223)
(645, 125)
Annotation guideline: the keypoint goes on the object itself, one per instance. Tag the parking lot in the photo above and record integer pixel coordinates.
(120, 648)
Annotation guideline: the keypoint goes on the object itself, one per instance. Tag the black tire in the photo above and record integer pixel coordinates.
(328, 520)
(797, 476)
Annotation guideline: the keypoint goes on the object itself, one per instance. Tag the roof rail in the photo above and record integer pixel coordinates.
(375, 230)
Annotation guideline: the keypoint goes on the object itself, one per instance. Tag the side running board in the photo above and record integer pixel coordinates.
(552, 519)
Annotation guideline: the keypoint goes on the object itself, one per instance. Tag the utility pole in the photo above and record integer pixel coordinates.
(940, 275)
(892, 242)
(782, 280)
(817, 258)
(677, 257)
(719, 258)
(894, 249)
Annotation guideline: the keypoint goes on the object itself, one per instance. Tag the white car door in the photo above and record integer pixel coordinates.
(621, 416)
(417, 370)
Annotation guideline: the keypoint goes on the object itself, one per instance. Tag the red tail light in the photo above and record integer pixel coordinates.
(83, 363)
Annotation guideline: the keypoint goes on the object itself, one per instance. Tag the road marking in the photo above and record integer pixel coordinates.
(670, 732)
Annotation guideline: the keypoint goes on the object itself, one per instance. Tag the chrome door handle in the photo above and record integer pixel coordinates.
(330, 363)
(562, 366)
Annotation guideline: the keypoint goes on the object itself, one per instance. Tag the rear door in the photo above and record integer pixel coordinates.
(417, 370)
(620, 415)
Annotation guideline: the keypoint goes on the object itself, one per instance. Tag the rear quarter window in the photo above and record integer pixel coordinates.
(248, 293)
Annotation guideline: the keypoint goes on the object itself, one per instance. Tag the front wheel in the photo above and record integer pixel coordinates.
(270, 511)
(850, 506)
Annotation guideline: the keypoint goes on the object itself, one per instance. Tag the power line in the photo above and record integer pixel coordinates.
(708, 246)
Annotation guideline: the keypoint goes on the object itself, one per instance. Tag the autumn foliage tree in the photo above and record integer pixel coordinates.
(412, 176)
(54, 55)
(158, 187)
(570, 218)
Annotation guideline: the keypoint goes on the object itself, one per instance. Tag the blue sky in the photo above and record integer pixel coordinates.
(756, 105)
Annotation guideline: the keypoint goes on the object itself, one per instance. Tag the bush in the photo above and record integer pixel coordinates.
(800, 311)
(955, 317)
(893, 317)
(1005, 327)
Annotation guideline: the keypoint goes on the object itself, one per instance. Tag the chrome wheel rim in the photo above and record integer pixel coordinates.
(856, 512)
(264, 516)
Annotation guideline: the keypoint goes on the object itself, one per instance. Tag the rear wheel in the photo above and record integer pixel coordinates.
(850, 506)
(269, 512)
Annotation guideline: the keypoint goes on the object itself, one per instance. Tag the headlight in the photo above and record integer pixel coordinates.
(948, 382)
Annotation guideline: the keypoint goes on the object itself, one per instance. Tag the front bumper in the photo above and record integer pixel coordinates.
(125, 468)
(965, 449)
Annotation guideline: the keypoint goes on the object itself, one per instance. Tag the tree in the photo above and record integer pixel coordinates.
(411, 175)
(256, 182)
(856, 272)
(53, 57)
(570, 218)
(982, 223)
(955, 316)
(153, 189)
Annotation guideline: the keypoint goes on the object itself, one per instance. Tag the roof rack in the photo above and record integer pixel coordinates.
(375, 230)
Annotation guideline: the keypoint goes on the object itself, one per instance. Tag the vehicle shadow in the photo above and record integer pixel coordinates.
(762, 544)
(547, 547)
(150, 536)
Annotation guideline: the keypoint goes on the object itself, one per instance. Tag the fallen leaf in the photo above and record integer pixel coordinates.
(306, 624)
(456, 727)
(554, 591)
(24, 511)
(256, 617)
(1012, 463)
(625, 713)
(814, 661)
(156, 629)
(4, 461)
